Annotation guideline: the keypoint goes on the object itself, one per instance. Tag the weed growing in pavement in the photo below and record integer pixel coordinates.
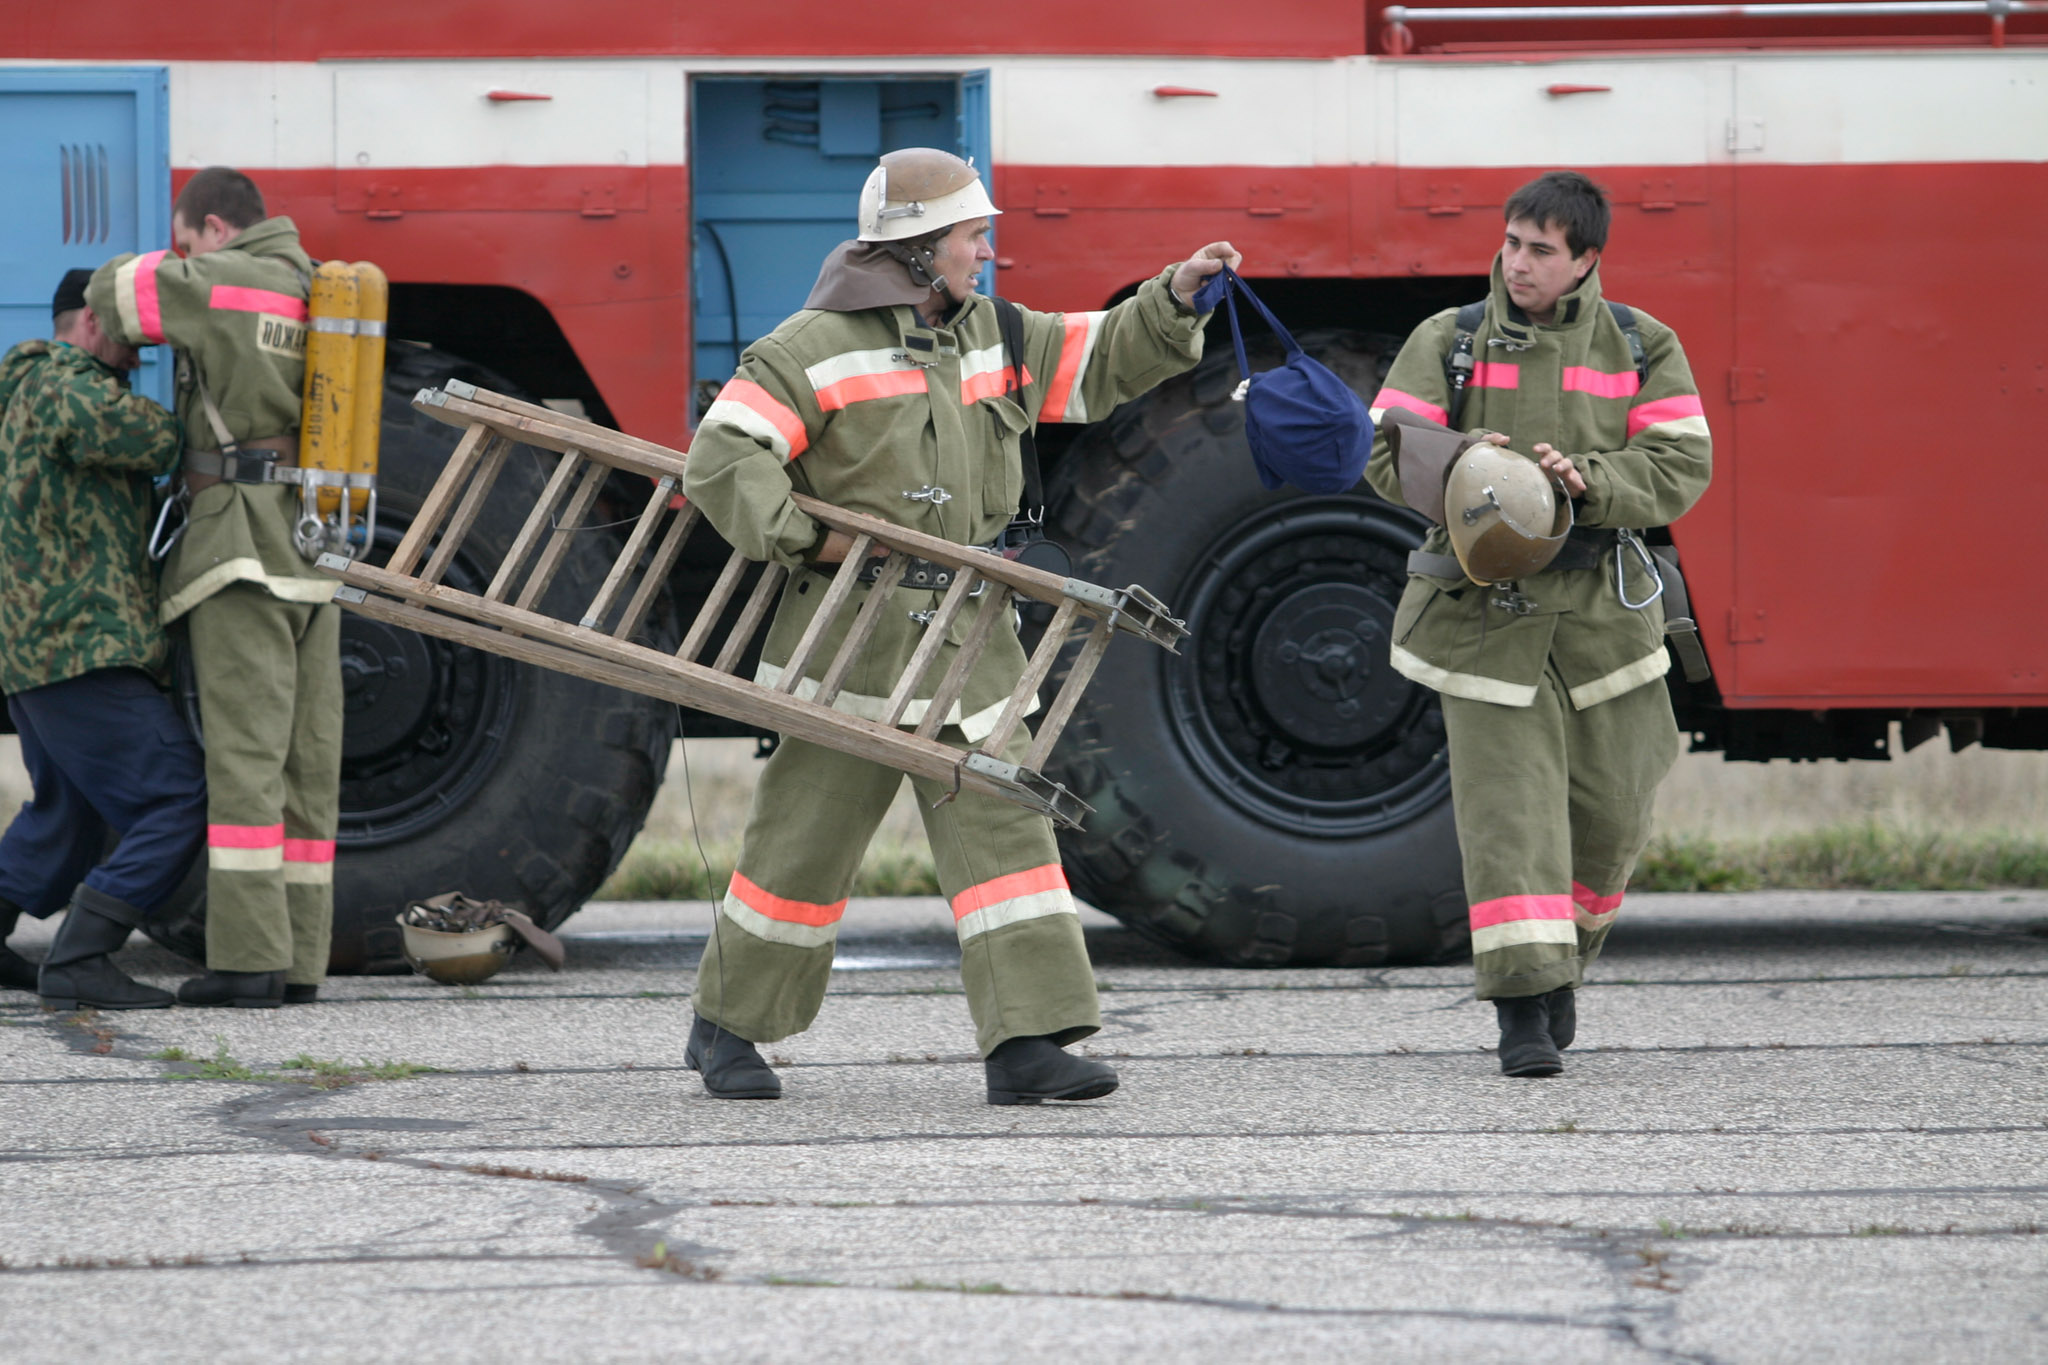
(661, 1258)
(1568, 1126)
(1871, 855)
(171, 1054)
(791, 1282)
(330, 1075)
(1881, 1230)
(959, 1287)
(526, 1173)
(221, 1066)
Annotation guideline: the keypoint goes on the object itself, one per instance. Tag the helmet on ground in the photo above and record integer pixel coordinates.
(1507, 518)
(918, 190)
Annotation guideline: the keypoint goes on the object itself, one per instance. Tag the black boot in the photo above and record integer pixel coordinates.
(17, 973)
(1526, 1048)
(296, 994)
(731, 1066)
(241, 990)
(80, 970)
(1028, 1070)
(1563, 1004)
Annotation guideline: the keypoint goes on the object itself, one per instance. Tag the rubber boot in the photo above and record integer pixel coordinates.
(731, 1066)
(296, 994)
(17, 973)
(239, 990)
(1563, 1004)
(1028, 1070)
(1526, 1048)
(80, 970)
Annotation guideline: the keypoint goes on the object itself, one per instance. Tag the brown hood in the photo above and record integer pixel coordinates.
(861, 275)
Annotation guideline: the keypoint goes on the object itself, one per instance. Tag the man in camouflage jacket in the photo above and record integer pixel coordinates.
(1554, 704)
(891, 394)
(266, 635)
(81, 653)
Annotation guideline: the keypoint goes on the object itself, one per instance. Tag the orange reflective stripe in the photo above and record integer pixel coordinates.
(771, 906)
(1051, 877)
(765, 405)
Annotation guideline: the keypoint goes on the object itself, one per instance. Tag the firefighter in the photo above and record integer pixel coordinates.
(81, 654)
(265, 633)
(890, 394)
(1554, 704)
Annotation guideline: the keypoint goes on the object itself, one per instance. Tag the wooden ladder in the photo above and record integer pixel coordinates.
(599, 644)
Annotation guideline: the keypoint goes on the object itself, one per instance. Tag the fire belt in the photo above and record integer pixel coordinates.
(923, 574)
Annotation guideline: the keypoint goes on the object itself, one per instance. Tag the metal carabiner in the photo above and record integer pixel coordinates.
(159, 543)
(930, 493)
(1629, 539)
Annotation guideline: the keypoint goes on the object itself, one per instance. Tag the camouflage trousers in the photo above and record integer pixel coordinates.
(1553, 809)
(269, 676)
(1022, 959)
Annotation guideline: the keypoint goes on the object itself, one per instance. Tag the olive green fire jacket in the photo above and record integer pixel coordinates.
(77, 453)
(1643, 449)
(237, 317)
(876, 412)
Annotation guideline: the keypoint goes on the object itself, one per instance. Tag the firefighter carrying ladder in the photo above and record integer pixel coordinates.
(507, 617)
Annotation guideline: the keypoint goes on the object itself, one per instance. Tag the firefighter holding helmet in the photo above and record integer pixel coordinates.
(1534, 606)
(893, 393)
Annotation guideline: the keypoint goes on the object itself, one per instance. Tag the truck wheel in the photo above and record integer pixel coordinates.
(1275, 793)
(462, 770)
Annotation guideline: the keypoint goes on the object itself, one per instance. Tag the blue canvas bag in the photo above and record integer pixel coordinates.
(1304, 425)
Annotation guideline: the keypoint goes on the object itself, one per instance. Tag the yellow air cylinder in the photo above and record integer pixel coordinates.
(373, 296)
(327, 422)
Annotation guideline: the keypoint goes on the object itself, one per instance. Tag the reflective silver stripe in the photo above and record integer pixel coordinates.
(345, 326)
(369, 327)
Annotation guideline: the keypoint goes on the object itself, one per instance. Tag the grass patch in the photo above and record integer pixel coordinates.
(330, 1074)
(668, 869)
(1866, 856)
(221, 1066)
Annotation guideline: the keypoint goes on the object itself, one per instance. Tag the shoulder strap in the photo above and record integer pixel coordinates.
(1625, 318)
(1458, 364)
(1010, 322)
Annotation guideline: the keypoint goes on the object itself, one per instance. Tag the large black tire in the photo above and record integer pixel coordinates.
(1275, 793)
(461, 770)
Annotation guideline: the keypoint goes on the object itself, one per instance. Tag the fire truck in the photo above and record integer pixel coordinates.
(1837, 205)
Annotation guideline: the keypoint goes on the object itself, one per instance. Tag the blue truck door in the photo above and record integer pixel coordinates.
(775, 169)
(85, 172)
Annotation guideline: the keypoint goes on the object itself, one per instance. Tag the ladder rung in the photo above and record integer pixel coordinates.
(994, 602)
(713, 608)
(566, 528)
(928, 647)
(529, 534)
(622, 567)
(465, 515)
(880, 597)
(1069, 697)
(758, 602)
(1042, 659)
(652, 582)
(439, 499)
(828, 609)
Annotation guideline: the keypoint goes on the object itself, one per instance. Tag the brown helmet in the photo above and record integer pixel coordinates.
(918, 190)
(1506, 517)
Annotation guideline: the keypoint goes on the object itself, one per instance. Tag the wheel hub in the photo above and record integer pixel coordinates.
(1313, 667)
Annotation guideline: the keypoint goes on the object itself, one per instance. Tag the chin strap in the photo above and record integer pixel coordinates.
(920, 264)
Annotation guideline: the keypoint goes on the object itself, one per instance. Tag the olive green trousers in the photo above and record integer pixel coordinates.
(1553, 808)
(1022, 958)
(270, 710)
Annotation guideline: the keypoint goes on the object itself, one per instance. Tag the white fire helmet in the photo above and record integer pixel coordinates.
(919, 190)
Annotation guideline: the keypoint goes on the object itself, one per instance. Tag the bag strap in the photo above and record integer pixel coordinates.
(1010, 322)
(1233, 285)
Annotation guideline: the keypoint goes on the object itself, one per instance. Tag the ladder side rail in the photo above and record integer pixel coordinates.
(487, 471)
(758, 602)
(714, 607)
(881, 596)
(928, 646)
(566, 528)
(1049, 645)
(586, 438)
(829, 606)
(993, 605)
(629, 556)
(440, 498)
(536, 522)
(658, 570)
(579, 427)
(1062, 709)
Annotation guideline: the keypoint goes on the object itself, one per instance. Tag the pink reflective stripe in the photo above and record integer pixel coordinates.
(242, 300)
(149, 314)
(989, 384)
(1664, 410)
(1074, 346)
(1594, 904)
(245, 836)
(1394, 398)
(863, 387)
(1585, 379)
(1051, 877)
(764, 404)
(1486, 914)
(771, 906)
(1497, 374)
(309, 850)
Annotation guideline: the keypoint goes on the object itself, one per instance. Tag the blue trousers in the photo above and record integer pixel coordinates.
(106, 751)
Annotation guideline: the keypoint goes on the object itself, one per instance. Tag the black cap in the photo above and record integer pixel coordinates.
(70, 293)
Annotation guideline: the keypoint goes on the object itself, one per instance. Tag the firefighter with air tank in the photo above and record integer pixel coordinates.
(261, 499)
(893, 393)
(1535, 607)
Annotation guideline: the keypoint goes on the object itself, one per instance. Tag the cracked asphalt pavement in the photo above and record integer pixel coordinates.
(1808, 1127)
